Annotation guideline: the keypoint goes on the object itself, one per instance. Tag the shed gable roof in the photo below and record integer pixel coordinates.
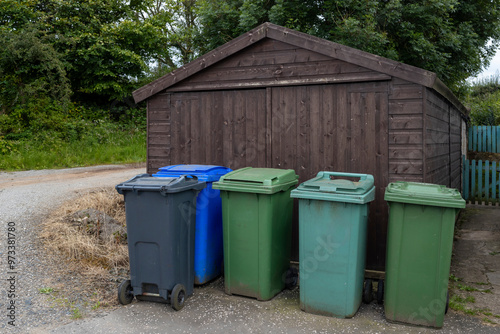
(305, 41)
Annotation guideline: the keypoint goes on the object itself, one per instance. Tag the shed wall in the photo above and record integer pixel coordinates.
(443, 141)
(341, 127)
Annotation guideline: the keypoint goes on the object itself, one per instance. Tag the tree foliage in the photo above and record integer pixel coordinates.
(454, 38)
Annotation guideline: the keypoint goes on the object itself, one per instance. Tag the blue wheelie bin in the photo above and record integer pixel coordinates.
(208, 253)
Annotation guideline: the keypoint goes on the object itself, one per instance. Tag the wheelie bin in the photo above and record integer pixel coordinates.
(419, 246)
(160, 214)
(208, 251)
(257, 227)
(333, 215)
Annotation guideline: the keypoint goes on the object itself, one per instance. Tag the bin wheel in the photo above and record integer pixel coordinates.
(368, 291)
(125, 295)
(380, 291)
(447, 302)
(291, 278)
(178, 297)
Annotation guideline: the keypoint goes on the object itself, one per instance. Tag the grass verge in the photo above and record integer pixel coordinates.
(118, 147)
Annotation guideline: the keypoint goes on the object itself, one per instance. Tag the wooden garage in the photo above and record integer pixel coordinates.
(275, 97)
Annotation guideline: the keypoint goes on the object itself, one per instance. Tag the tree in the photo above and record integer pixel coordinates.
(454, 38)
(104, 51)
(178, 24)
(30, 69)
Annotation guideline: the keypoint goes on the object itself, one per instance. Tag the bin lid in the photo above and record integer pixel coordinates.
(207, 173)
(424, 194)
(258, 180)
(335, 186)
(164, 185)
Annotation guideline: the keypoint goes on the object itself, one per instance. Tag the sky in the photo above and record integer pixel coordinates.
(492, 69)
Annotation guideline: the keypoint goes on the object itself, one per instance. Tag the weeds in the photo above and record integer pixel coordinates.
(46, 291)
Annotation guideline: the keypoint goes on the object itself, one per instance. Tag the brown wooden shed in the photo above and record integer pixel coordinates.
(275, 97)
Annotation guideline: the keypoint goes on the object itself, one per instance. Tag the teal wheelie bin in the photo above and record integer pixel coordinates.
(333, 215)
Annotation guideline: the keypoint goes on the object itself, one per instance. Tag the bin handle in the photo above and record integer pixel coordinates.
(163, 189)
(328, 175)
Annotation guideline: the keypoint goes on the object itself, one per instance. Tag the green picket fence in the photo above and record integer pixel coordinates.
(481, 181)
(484, 138)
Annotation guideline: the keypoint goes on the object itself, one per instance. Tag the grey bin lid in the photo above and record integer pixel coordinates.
(164, 185)
(333, 186)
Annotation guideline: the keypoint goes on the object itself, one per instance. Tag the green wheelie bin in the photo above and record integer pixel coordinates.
(419, 245)
(257, 227)
(333, 217)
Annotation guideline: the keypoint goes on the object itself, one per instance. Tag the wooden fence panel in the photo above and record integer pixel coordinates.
(484, 138)
(481, 181)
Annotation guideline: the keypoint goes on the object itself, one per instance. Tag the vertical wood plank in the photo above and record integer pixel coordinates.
(494, 139)
(357, 101)
(329, 115)
(343, 130)
(487, 184)
(290, 117)
(277, 123)
(469, 144)
(480, 180)
(485, 140)
(316, 126)
(269, 127)
(228, 139)
(494, 181)
(473, 191)
(489, 138)
(261, 130)
(498, 139)
(304, 134)
(197, 145)
(218, 128)
(239, 129)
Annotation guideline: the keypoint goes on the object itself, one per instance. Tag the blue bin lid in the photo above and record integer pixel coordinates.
(207, 173)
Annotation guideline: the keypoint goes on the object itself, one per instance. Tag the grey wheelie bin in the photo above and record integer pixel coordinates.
(161, 219)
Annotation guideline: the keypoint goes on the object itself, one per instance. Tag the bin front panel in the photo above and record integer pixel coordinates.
(419, 247)
(208, 254)
(332, 256)
(257, 241)
(160, 232)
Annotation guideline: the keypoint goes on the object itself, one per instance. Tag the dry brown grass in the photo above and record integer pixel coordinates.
(98, 264)
(76, 242)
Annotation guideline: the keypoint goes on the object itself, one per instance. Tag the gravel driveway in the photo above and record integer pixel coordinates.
(26, 198)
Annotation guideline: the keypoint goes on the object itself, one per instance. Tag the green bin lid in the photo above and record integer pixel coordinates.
(424, 194)
(333, 186)
(257, 180)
